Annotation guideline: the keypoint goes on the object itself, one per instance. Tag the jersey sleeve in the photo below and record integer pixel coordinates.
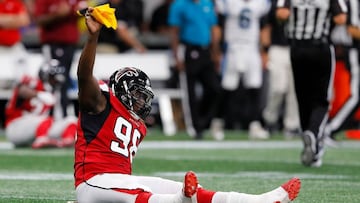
(353, 13)
(266, 5)
(214, 19)
(174, 18)
(220, 6)
(40, 7)
(103, 86)
(338, 7)
(18, 7)
(283, 4)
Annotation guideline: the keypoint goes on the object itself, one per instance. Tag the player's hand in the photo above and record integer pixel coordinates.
(140, 49)
(264, 60)
(46, 98)
(217, 58)
(93, 26)
(180, 66)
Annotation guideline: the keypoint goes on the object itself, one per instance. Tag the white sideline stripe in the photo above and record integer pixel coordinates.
(245, 144)
(292, 144)
(207, 145)
(240, 174)
(221, 144)
(35, 176)
(35, 198)
(249, 174)
(6, 145)
(38, 153)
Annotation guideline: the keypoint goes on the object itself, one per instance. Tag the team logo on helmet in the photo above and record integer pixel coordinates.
(129, 71)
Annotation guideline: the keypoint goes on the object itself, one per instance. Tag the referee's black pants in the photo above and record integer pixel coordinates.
(343, 118)
(200, 69)
(313, 67)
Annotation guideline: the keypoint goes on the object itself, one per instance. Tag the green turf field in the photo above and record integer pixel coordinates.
(235, 164)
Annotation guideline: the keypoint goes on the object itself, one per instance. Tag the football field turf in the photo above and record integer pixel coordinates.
(235, 164)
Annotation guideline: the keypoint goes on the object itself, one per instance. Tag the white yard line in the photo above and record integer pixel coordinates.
(245, 144)
(35, 176)
(255, 174)
(220, 144)
(241, 174)
(6, 145)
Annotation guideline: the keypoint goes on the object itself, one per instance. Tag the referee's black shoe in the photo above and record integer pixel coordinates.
(313, 151)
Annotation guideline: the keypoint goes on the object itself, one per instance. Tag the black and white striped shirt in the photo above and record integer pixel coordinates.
(311, 19)
(354, 17)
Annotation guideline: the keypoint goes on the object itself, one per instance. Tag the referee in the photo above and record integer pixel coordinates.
(313, 62)
(348, 38)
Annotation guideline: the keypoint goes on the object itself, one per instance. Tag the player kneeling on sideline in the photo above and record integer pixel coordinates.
(28, 119)
(111, 127)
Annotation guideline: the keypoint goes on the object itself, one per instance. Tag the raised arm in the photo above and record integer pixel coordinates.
(90, 97)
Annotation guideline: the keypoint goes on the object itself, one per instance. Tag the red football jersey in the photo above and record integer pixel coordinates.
(107, 142)
(64, 31)
(9, 37)
(17, 106)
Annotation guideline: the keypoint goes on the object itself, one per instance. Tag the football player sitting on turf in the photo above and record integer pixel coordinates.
(28, 119)
(111, 127)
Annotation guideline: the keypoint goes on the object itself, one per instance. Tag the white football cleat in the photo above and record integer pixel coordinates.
(312, 152)
(256, 131)
(217, 129)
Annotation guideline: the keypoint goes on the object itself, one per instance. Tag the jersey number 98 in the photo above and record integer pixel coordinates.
(128, 138)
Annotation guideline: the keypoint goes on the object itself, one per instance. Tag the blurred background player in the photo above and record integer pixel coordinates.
(195, 48)
(159, 18)
(28, 119)
(281, 101)
(242, 60)
(59, 36)
(13, 17)
(345, 101)
(111, 130)
(312, 59)
(124, 38)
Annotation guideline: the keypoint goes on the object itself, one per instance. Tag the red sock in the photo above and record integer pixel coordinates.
(43, 127)
(69, 131)
(204, 196)
(143, 197)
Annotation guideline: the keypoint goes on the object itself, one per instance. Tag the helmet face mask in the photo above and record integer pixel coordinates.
(132, 87)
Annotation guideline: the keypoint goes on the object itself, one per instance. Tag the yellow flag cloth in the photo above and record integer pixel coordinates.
(104, 15)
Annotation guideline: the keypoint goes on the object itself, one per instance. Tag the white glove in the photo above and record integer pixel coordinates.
(46, 97)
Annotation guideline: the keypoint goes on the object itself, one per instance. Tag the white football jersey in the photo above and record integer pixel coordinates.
(242, 24)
